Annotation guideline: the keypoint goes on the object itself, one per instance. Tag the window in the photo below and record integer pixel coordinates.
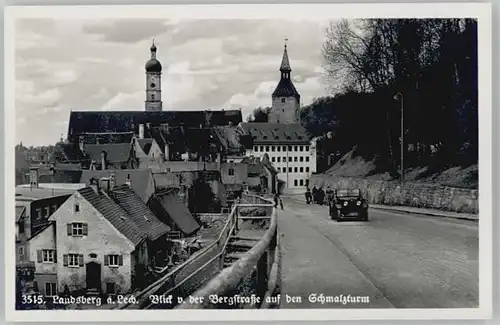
(284, 148)
(307, 148)
(113, 260)
(289, 148)
(261, 148)
(231, 171)
(273, 159)
(20, 251)
(47, 211)
(307, 158)
(279, 169)
(283, 100)
(284, 159)
(77, 207)
(290, 159)
(73, 260)
(50, 289)
(21, 226)
(256, 148)
(295, 159)
(289, 169)
(267, 148)
(307, 169)
(152, 96)
(278, 159)
(301, 169)
(39, 214)
(273, 148)
(301, 182)
(301, 148)
(295, 148)
(48, 256)
(301, 159)
(295, 182)
(54, 208)
(110, 287)
(295, 169)
(77, 229)
(278, 148)
(307, 182)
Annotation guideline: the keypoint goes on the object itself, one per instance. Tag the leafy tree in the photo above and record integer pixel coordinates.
(431, 62)
(259, 115)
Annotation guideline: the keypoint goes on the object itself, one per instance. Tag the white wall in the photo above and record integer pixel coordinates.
(308, 167)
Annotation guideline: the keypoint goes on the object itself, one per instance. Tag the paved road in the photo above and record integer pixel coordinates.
(398, 260)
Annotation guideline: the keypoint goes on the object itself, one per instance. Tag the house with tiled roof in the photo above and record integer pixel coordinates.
(262, 175)
(169, 207)
(103, 239)
(111, 156)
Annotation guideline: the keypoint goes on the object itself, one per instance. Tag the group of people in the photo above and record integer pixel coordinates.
(318, 195)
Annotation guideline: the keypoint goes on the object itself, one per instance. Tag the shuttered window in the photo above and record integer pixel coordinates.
(46, 256)
(77, 229)
(113, 260)
(73, 260)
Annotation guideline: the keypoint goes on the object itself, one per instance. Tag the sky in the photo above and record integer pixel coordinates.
(63, 65)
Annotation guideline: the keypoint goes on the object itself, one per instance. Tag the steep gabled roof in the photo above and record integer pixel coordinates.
(114, 214)
(139, 213)
(145, 144)
(177, 211)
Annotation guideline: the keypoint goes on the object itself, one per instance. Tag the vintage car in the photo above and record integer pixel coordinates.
(348, 204)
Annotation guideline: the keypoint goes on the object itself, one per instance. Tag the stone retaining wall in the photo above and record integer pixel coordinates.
(413, 194)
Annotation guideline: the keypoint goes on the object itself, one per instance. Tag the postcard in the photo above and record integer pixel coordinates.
(248, 162)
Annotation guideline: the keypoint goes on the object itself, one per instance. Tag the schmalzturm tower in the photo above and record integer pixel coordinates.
(285, 98)
(153, 82)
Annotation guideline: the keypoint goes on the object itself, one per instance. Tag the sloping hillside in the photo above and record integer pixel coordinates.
(354, 166)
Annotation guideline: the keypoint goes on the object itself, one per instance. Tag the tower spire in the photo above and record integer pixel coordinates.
(153, 50)
(285, 63)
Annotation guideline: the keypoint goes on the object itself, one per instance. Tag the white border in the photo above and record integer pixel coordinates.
(482, 11)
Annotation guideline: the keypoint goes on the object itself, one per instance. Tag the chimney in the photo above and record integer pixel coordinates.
(141, 131)
(103, 160)
(104, 184)
(112, 182)
(218, 161)
(128, 181)
(33, 177)
(167, 152)
(81, 143)
(94, 185)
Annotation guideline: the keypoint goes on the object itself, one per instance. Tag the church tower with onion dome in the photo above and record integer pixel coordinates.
(285, 98)
(153, 82)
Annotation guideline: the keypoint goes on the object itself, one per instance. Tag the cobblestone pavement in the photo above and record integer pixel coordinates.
(398, 260)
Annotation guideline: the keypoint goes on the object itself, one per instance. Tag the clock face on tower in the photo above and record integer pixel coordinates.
(154, 81)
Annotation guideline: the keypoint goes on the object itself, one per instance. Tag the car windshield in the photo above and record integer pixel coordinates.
(348, 193)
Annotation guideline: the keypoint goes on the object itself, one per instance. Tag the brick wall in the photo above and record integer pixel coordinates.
(413, 194)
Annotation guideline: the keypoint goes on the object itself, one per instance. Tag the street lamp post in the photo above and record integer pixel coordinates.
(400, 97)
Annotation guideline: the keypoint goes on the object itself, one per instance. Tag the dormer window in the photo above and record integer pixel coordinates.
(283, 100)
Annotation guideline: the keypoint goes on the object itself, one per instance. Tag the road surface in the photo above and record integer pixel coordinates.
(397, 260)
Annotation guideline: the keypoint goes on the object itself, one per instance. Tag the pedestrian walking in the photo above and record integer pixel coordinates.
(281, 204)
(275, 200)
(308, 196)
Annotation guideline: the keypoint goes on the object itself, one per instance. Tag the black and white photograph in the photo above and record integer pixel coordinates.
(248, 162)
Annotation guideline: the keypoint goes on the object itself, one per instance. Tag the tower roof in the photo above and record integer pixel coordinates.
(285, 63)
(153, 65)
